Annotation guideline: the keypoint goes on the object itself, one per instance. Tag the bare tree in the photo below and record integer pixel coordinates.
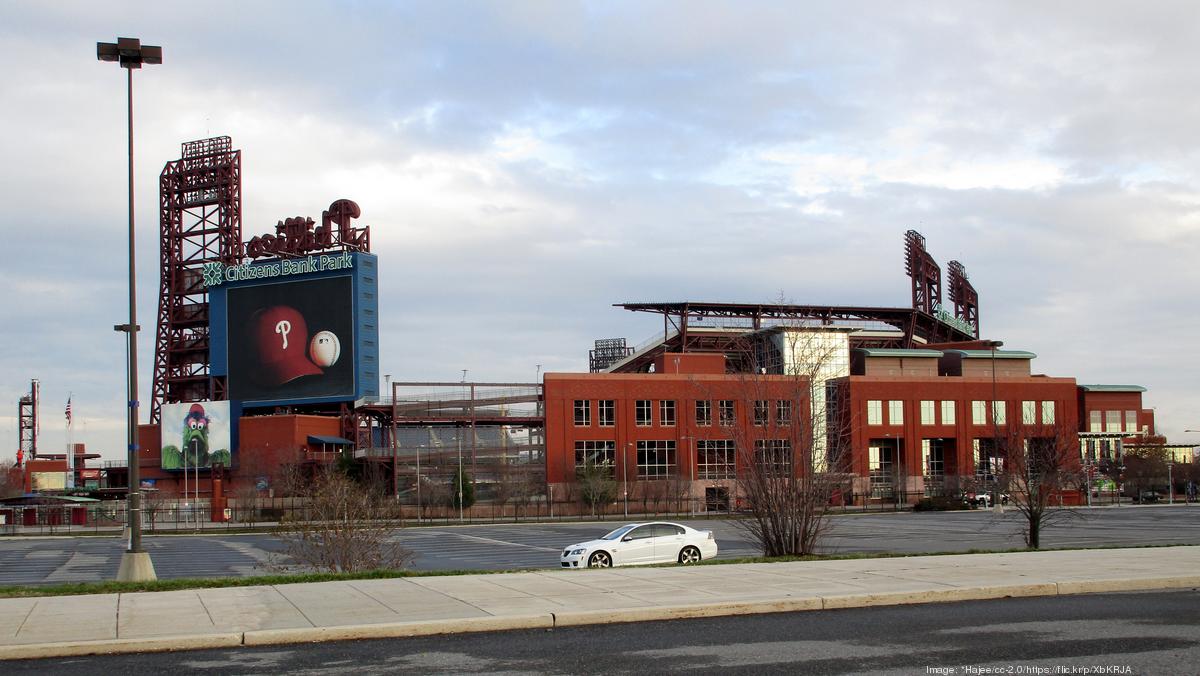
(347, 528)
(11, 480)
(1146, 466)
(596, 484)
(795, 458)
(1041, 462)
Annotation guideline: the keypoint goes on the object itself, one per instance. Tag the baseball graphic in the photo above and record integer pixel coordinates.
(324, 349)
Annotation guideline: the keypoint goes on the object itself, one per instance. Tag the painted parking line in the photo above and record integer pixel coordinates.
(493, 541)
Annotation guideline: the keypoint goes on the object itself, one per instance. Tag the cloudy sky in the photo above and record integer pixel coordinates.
(524, 165)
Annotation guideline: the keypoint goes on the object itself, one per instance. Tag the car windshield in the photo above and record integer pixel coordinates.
(618, 533)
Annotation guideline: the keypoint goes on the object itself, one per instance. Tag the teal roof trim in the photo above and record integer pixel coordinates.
(996, 354)
(1112, 388)
(896, 352)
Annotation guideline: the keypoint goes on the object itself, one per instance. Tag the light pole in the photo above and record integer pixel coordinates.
(461, 479)
(136, 565)
(625, 477)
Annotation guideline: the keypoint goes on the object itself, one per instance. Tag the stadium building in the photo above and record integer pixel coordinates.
(267, 368)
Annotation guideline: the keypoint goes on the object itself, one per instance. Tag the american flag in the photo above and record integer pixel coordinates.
(68, 410)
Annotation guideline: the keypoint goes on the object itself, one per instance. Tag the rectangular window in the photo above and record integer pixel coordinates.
(704, 413)
(978, 413)
(933, 458)
(1094, 422)
(727, 412)
(1029, 412)
(1047, 413)
(716, 459)
(1112, 421)
(1131, 426)
(666, 413)
(606, 410)
(988, 461)
(583, 412)
(761, 412)
(783, 413)
(642, 413)
(773, 456)
(895, 413)
(874, 412)
(999, 412)
(881, 456)
(947, 412)
(596, 453)
(927, 413)
(656, 459)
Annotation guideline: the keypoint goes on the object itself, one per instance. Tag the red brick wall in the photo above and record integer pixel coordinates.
(911, 391)
(562, 389)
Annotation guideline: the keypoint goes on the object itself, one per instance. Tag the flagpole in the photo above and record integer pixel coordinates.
(70, 448)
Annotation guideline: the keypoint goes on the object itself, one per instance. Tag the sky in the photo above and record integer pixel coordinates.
(525, 165)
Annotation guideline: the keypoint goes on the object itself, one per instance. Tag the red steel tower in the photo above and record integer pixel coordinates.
(200, 220)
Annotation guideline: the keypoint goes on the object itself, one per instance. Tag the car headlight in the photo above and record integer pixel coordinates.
(577, 552)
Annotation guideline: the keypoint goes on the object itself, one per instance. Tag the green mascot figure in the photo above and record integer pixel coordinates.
(195, 451)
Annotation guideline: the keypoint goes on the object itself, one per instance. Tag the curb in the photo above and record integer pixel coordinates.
(396, 629)
(121, 645)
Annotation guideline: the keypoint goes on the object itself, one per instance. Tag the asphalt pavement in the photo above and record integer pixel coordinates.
(1135, 632)
(286, 614)
(37, 560)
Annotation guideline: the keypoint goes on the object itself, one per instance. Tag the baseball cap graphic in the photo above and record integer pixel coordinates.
(281, 337)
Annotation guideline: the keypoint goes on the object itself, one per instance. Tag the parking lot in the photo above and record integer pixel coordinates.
(33, 560)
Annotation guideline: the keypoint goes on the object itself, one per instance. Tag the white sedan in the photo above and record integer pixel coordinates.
(642, 543)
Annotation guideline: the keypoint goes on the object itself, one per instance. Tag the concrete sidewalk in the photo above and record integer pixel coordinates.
(262, 615)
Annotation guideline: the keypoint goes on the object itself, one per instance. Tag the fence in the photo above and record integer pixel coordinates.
(266, 514)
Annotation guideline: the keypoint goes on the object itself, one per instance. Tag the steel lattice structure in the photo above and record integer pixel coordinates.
(925, 273)
(963, 295)
(200, 220)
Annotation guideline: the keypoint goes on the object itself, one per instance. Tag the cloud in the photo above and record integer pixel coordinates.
(525, 165)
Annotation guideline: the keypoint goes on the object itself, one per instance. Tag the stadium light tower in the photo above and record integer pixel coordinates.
(136, 565)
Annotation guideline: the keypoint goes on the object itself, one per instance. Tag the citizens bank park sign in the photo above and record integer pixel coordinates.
(216, 274)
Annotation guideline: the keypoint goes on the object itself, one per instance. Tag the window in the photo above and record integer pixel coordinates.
(715, 459)
(881, 456)
(999, 415)
(583, 412)
(933, 452)
(1094, 420)
(978, 413)
(726, 411)
(642, 413)
(1112, 421)
(656, 459)
(606, 410)
(666, 413)
(1029, 412)
(704, 413)
(933, 458)
(774, 456)
(1047, 413)
(783, 413)
(895, 413)
(927, 413)
(874, 412)
(988, 461)
(595, 453)
(761, 412)
(947, 412)
(1131, 425)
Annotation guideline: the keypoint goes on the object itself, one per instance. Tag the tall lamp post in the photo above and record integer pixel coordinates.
(136, 565)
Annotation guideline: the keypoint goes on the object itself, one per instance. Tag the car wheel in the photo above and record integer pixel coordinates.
(689, 555)
(600, 560)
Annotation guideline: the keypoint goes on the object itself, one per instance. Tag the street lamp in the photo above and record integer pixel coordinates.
(136, 565)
